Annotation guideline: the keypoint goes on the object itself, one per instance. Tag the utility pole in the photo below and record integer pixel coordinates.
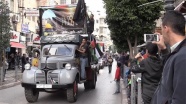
(169, 5)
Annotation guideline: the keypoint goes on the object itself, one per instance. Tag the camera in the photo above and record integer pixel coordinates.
(151, 37)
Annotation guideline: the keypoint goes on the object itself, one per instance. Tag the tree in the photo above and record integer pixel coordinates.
(128, 22)
(5, 28)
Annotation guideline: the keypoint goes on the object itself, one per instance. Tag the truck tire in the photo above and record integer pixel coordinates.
(31, 94)
(93, 81)
(87, 85)
(97, 70)
(72, 93)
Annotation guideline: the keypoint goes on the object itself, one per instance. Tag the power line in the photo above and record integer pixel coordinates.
(150, 3)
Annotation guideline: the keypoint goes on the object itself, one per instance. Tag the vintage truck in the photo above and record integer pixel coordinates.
(59, 62)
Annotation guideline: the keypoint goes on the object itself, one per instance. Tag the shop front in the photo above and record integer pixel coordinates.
(15, 45)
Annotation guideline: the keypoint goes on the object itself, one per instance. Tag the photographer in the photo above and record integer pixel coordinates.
(151, 69)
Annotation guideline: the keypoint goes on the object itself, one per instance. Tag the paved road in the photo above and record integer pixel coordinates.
(103, 94)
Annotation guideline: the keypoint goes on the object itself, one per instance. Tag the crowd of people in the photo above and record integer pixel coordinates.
(13, 60)
(162, 67)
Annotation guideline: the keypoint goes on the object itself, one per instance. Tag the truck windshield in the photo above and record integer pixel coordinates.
(58, 51)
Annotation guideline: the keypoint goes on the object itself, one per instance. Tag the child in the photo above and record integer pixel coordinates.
(117, 78)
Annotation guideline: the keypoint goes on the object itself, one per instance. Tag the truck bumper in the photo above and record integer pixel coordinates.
(49, 86)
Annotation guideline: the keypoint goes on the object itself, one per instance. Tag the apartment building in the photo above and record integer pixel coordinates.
(101, 30)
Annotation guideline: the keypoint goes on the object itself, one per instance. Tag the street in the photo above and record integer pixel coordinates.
(103, 94)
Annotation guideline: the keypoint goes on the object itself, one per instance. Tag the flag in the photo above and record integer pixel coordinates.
(80, 11)
(93, 43)
(98, 50)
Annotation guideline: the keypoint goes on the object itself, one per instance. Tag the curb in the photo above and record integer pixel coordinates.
(123, 93)
(9, 85)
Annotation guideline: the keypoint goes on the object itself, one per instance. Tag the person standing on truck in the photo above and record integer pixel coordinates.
(83, 49)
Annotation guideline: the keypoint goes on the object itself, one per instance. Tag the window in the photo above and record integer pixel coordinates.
(97, 29)
(101, 30)
(59, 51)
(105, 30)
(102, 21)
(63, 1)
(97, 21)
(73, 1)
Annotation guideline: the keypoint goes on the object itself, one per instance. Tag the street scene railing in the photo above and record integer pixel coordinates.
(136, 96)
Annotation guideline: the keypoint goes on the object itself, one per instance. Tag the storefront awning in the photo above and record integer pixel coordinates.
(17, 45)
(181, 7)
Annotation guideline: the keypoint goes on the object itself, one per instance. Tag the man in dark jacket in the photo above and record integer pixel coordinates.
(151, 69)
(171, 89)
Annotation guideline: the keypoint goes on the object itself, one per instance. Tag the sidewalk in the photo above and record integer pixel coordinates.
(10, 79)
(123, 93)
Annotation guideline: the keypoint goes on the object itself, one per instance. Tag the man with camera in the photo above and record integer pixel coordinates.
(171, 89)
(151, 69)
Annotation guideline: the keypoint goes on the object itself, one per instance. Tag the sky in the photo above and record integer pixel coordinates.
(95, 5)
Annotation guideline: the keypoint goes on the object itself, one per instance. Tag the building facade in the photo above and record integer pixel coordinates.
(101, 30)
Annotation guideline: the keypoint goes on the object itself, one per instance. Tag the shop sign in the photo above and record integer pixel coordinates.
(32, 13)
(14, 36)
(36, 38)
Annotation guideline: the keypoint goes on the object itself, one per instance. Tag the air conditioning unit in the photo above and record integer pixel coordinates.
(15, 18)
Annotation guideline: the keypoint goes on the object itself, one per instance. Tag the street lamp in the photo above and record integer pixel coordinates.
(169, 5)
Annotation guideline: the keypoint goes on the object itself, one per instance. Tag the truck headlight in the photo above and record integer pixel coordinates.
(27, 67)
(68, 66)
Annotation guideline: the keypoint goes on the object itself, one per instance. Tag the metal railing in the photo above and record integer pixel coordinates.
(136, 96)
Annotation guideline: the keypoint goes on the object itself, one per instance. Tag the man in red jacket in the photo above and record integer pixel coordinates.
(117, 78)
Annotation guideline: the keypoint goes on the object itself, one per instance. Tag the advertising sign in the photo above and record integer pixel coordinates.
(60, 18)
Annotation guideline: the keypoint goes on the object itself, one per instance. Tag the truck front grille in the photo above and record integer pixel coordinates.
(52, 66)
(52, 78)
(40, 78)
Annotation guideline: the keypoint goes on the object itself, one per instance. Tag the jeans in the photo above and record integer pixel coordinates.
(4, 73)
(110, 68)
(84, 63)
(118, 86)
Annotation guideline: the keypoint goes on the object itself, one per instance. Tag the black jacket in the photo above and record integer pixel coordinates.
(172, 88)
(151, 69)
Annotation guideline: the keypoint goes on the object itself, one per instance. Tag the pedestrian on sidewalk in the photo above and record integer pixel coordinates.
(151, 69)
(171, 89)
(5, 67)
(110, 61)
(24, 61)
(117, 78)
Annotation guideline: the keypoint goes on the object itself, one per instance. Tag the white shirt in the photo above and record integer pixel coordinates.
(174, 46)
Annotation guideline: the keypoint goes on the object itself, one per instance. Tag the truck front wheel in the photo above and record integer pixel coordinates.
(72, 93)
(31, 95)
